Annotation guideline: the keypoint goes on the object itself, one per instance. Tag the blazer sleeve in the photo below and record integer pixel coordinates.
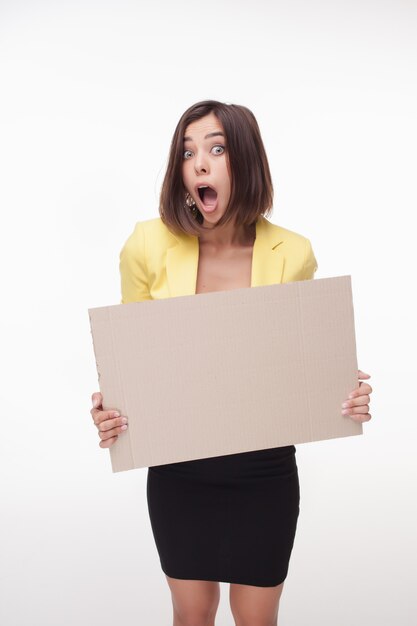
(310, 263)
(132, 267)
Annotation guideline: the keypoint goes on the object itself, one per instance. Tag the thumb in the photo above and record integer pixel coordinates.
(97, 399)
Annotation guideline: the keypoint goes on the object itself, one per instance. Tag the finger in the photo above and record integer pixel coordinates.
(364, 388)
(96, 399)
(113, 423)
(107, 443)
(361, 417)
(356, 410)
(111, 433)
(363, 374)
(356, 402)
(100, 415)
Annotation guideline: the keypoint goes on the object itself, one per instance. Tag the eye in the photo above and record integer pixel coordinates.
(184, 154)
(221, 148)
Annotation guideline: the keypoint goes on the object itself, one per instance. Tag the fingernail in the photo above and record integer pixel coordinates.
(351, 395)
(116, 414)
(123, 427)
(124, 420)
(345, 404)
(95, 403)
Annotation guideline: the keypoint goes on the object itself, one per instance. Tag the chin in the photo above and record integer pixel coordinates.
(211, 219)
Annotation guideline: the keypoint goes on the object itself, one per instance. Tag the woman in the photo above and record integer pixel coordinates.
(229, 518)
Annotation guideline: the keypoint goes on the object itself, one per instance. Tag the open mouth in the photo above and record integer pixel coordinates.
(208, 195)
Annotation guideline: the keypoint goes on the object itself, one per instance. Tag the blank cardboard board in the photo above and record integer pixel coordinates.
(224, 372)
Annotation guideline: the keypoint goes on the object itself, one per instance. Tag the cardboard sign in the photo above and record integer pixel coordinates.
(224, 372)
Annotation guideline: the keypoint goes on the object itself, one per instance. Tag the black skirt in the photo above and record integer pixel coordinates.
(228, 518)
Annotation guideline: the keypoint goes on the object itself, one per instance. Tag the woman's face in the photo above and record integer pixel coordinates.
(205, 163)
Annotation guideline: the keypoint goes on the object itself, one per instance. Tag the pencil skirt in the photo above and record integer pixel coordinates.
(228, 518)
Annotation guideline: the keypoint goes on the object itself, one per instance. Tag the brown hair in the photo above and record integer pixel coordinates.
(251, 185)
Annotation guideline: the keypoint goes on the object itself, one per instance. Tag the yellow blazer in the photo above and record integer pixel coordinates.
(155, 263)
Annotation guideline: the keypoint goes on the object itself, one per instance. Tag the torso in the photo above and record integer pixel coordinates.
(220, 271)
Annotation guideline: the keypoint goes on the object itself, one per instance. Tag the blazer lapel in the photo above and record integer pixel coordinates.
(268, 257)
(182, 265)
(267, 260)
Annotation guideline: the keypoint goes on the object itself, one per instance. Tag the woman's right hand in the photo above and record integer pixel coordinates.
(109, 423)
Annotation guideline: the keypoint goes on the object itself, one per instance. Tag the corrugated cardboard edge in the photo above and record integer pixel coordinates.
(121, 455)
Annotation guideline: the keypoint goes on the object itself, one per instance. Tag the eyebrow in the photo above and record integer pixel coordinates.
(215, 134)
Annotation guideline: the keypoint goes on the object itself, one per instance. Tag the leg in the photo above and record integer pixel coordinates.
(194, 602)
(255, 606)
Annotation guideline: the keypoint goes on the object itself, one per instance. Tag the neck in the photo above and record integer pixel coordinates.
(228, 236)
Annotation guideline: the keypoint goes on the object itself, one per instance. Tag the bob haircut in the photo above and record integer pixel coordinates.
(251, 193)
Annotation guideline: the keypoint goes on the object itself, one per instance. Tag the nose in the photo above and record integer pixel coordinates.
(201, 163)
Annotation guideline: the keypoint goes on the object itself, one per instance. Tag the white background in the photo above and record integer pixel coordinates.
(90, 96)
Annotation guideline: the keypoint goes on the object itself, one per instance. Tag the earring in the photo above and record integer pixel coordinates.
(189, 200)
(190, 203)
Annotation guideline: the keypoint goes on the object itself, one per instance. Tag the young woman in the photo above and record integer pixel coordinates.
(229, 518)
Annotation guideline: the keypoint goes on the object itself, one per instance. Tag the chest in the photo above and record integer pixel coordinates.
(224, 271)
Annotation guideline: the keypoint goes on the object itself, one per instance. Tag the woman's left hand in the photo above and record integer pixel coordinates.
(357, 404)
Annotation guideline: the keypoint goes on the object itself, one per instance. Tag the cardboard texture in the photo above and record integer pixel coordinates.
(224, 372)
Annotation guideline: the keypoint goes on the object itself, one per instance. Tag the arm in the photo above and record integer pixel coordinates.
(134, 282)
(133, 270)
(356, 406)
(310, 263)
